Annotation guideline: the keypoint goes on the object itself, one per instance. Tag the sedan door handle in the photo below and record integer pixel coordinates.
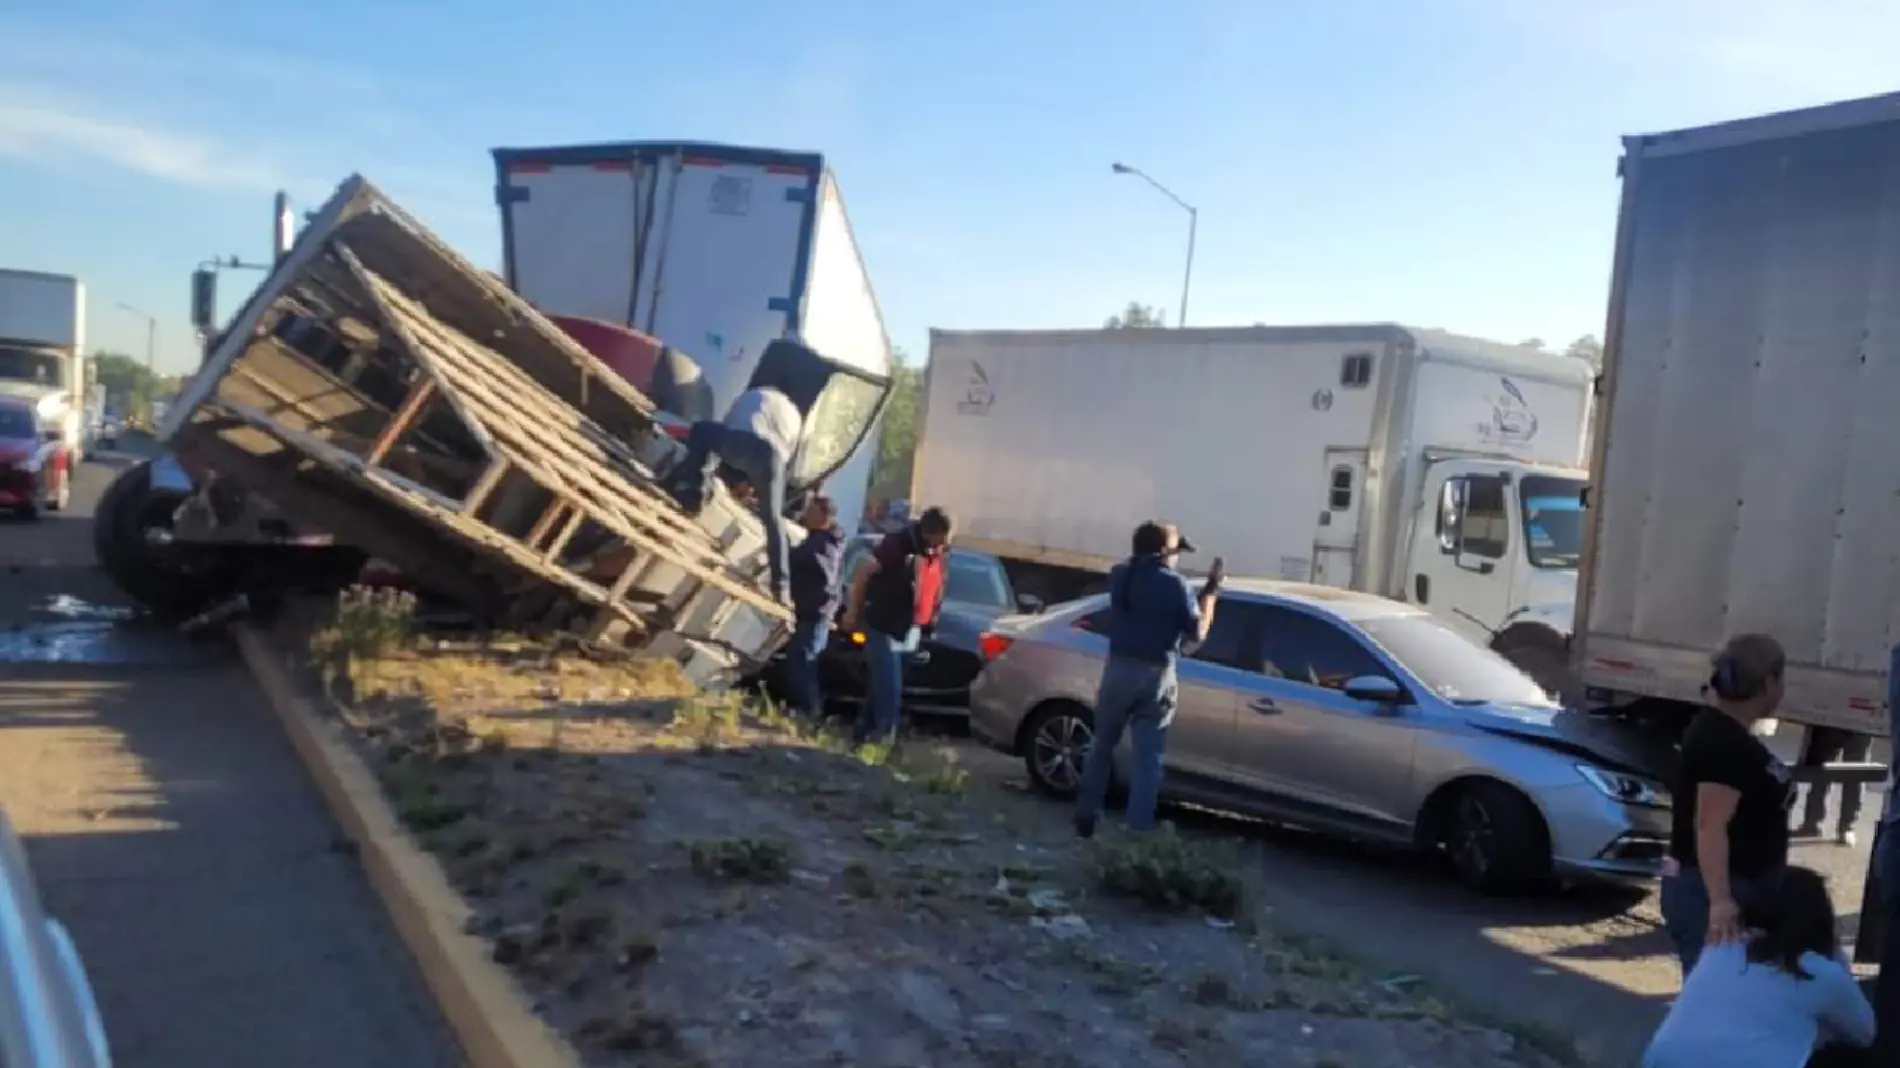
(1264, 705)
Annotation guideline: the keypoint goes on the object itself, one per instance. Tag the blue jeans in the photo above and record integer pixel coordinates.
(801, 665)
(1887, 987)
(1685, 912)
(707, 446)
(1139, 698)
(884, 658)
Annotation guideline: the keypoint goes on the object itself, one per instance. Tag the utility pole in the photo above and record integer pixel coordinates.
(151, 345)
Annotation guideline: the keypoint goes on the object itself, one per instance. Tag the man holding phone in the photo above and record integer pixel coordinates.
(1152, 612)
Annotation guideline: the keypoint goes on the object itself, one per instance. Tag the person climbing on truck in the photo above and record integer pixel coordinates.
(1730, 823)
(760, 433)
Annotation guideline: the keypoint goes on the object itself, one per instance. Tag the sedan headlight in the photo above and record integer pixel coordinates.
(1624, 787)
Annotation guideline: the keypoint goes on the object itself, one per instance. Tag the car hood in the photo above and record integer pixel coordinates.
(959, 624)
(1600, 740)
(14, 450)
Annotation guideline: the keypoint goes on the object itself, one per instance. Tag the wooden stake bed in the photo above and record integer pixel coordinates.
(379, 387)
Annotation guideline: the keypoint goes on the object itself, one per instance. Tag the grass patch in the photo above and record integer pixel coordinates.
(1162, 870)
(752, 860)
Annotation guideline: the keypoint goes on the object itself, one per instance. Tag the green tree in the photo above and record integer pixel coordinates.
(897, 431)
(1588, 349)
(1532, 343)
(129, 385)
(1138, 316)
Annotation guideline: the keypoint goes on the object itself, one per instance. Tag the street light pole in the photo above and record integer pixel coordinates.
(151, 340)
(1194, 218)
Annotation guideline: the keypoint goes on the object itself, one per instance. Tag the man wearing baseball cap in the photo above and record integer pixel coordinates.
(1151, 613)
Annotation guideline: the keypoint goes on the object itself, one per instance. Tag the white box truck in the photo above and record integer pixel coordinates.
(1421, 465)
(715, 250)
(1747, 455)
(42, 346)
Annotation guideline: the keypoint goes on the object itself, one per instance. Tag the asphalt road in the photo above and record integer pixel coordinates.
(172, 828)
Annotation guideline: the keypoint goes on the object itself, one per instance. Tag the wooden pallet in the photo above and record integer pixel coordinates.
(380, 387)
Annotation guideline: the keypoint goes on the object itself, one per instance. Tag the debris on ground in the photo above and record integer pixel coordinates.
(690, 879)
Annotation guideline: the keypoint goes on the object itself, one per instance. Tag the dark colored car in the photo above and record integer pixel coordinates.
(937, 680)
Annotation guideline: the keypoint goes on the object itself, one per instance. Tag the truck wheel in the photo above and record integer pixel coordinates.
(1495, 840)
(151, 575)
(1539, 652)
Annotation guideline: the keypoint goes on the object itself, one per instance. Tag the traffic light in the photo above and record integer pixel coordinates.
(204, 299)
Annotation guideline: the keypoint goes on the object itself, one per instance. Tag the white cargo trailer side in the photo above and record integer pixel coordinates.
(716, 250)
(1745, 458)
(1311, 453)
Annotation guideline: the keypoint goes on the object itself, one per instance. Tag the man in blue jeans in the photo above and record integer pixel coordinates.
(815, 596)
(1151, 613)
(760, 433)
(895, 599)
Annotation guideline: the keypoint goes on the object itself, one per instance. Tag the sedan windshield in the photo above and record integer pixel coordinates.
(1553, 519)
(977, 580)
(1450, 665)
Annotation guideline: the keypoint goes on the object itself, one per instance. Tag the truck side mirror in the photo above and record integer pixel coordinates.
(204, 299)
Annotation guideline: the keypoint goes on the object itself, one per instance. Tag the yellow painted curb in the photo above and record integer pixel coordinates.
(485, 1008)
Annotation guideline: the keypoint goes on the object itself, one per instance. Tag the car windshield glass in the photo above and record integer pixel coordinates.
(31, 365)
(977, 580)
(1553, 519)
(1449, 664)
(15, 422)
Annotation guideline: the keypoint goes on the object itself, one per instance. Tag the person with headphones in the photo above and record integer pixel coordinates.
(1732, 796)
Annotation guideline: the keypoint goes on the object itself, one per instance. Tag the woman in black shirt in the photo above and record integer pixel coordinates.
(1730, 822)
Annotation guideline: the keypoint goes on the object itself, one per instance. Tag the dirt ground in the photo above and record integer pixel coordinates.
(691, 880)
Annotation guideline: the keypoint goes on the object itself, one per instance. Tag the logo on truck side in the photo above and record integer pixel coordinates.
(977, 394)
(1512, 421)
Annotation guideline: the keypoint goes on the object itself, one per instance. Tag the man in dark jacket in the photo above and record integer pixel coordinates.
(895, 600)
(814, 582)
(1151, 613)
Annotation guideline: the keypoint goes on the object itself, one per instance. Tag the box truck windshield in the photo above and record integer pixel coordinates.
(19, 364)
(1553, 520)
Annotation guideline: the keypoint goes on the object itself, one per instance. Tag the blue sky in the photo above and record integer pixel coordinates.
(1440, 162)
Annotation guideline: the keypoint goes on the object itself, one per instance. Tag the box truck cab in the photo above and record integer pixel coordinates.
(1421, 465)
(716, 251)
(42, 340)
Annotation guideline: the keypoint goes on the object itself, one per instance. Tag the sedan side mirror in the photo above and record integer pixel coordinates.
(1029, 603)
(1374, 688)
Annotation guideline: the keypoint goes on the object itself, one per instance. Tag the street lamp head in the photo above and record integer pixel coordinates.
(1120, 168)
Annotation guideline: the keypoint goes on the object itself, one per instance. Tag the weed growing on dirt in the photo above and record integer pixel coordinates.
(365, 623)
(754, 860)
(1162, 870)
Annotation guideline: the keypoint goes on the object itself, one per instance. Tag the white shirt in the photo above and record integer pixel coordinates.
(769, 415)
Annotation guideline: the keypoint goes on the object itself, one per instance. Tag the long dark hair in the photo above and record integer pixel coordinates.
(1791, 914)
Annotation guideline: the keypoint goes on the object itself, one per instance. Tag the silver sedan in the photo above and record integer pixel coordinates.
(1355, 715)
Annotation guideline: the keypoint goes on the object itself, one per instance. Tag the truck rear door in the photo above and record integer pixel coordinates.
(702, 248)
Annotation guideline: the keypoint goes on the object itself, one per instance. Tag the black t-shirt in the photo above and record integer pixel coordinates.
(1718, 749)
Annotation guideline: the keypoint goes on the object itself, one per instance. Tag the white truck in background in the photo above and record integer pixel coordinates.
(1425, 466)
(716, 250)
(42, 346)
(1747, 447)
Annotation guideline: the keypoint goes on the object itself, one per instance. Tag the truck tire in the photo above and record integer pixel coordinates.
(1495, 840)
(1540, 653)
(154, 577)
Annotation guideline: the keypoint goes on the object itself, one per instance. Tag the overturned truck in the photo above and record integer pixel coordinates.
(379, 397)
